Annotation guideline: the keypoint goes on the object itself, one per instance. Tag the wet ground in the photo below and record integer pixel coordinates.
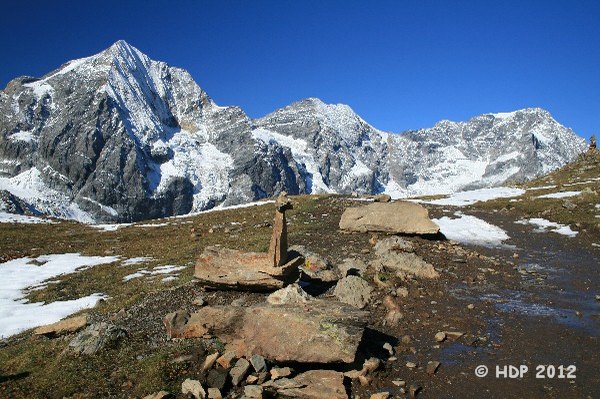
(547, 319)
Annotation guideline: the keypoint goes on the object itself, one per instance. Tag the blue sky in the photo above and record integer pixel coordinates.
(399, 64)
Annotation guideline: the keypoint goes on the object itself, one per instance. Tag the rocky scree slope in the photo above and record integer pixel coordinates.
(120, 137)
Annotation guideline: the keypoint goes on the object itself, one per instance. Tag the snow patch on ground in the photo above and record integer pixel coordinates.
(152, 225)
(469, 229)
(562, 194)
(17, 314)
(15, 218)
(110, 227)
(167, 269)
(136, 261)
(544, 225)
(470, 197)
(541, 188)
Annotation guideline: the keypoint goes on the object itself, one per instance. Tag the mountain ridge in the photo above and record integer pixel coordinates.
(119, 137)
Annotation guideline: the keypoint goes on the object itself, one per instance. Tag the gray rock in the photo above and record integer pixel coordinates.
(239, 371)
(291, 294)
(258, 363)
(315, 267)
(217, 378)
(354, 291)
(406, 263)
(97, 337)
(392, 244)
(352, 267)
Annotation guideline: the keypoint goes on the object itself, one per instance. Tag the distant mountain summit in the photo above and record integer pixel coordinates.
(120, 137)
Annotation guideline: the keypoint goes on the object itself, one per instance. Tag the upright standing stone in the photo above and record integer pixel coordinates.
(278, 247)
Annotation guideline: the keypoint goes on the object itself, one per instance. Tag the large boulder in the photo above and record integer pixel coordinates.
(398, 217)
(318, 331)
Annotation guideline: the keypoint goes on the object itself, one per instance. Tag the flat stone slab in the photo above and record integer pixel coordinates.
(66, 326)
(400, 217)
(232, 269)
(319, 331)
(317, 384)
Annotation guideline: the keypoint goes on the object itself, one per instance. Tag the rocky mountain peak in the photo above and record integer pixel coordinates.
(118, 136)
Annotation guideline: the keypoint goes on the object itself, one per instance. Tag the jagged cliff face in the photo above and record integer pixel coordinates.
(119, 137)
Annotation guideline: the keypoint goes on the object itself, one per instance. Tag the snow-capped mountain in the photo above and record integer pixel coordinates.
(120, 137)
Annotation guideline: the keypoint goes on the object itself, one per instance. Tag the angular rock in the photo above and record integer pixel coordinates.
(352, 267)
(96, 337)
(318, 384)
(280, 333)
(406, 263)
(194, 388)
(214, 393)
(432, 367)
(380, 395)
(253, 391)
(160, 395)
(382, 198)
(217, 378)
(209, 361)
(392, 244)
(400, 217)
(175, 323)
(66, 326)
(315, 266)
(394, 314)
(258, 363)
(454, 335)
(282, 383)
(226, 359)
(353, 291)
(238, 372)
(292, 294)
(279, 372)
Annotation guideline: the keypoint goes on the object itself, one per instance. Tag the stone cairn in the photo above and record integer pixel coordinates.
(279, 246)
(229, 268)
